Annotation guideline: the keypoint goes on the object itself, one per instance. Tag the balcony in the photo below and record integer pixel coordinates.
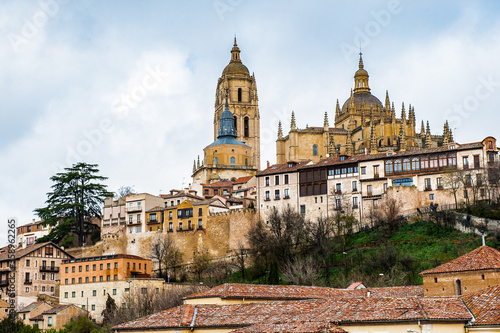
(153, 220)
(338, 192)
(134, 222)
(355, 206)
(134, 208)
(376, 175)
(286, 197)
(4, 283)
(440, 187)
(276, 197)
(50, 269)
(427, 188)
(28, 282)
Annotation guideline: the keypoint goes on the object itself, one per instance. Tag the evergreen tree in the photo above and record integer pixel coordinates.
(76, 198)
(109, 312)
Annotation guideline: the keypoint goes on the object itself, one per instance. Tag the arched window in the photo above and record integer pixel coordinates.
(380, 143)
(216, 160)
(388, 141)
(239, 94)
(246, 161)
(233, 160)
(458, 287)
(355, 123)
(245, 127)
(236, 124)
(315, 150)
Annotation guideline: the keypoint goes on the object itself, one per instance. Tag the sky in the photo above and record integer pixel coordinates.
(130, 85)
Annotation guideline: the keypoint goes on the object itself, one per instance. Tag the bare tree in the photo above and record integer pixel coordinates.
(161, 247)
(239, 261)
(453, 182)
(303, 271)
(320, 243)
(201, 263)
(388, 215)
(123, 191)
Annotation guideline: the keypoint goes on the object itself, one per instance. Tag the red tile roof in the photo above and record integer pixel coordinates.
(292, 327)
(354, 285)
(281, 168)
(482, 258)
(242, 180)
(27, 250)
(336, 310)
(269, 292)
(485, 306)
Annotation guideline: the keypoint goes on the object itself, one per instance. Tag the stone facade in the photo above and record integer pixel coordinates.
(445, 284)
(363, 125)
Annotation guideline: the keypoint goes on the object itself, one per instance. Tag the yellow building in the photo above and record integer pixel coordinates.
(362, 125)
(236, 150)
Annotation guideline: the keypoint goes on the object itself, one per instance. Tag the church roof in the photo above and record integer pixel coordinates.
(227, 132)
(365, 98)
(482, 258)
(235, 66)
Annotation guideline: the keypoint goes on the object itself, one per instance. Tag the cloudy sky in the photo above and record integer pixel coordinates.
(130, 85)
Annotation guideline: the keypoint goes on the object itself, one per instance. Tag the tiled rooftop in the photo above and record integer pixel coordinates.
(335, 310)
(485, 306)
(482, 258)
(281, 168)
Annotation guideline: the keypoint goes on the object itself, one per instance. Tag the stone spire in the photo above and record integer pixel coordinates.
(393, 113)
(361, 78)
(331, 147)
(337, 109)
(235, 52)
(403, 113)
(387, 103)
(293, 126)
(428, 139)
(325, 122)
(280, 131)
(352, 106)
(349, 150)
(402, 137)
(422, 128)
(194, 166)
(450, 133)
(198, 163)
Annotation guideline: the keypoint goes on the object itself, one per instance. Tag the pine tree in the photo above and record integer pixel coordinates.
(76, 198)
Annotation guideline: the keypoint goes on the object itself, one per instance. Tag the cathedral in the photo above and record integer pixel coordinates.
(235, 151)
(363, 125)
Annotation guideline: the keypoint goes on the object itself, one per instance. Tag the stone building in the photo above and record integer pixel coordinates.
(470, 273)
(359, 184)
(37, 270)
(362, 125)
(236, 150)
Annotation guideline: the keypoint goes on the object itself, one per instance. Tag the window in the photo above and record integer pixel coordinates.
(338, 203)
(79, 280)
(116, 265)
(114, 291)
(363, 170)
(443, 161)
(200, 224)
(170, 215)
(268, 196)
(286, 193)
(427, 184)
(27, 263)
(216, 160)
(338, 188)
(66, 269)
(27, 289)
(138, 218)
(388, 167)
(100, 278)
(233, 160)
(276, 180)
(276, 194)
(101, 267)
(431, 196)
(170, 226)
(87, 268)
(235, 123)
(115, 277)
(144, 290)
(66, 281)
(369, 190)
(72, 280)
(93, 307)
(104, 292)
(406, 165)
(267, 181)
(465, 162)
(397, 165)
(285, 179)
(49, 321)
(93, 279)
(138, 228)
(94, 292)
(200, 211)
(302, 209)
(130, 219)
(109, 265)
(246, 127)
(375, 203)
(355, 202)
(87, 279)
(439, 182)
(315, 150)
(66, 294)
(385, 187)
(133, 265)
(73, 269)
(415, 164)
(476, 161)
(180, 228)
(94, 267)
(128, 265)
(73, 294)
(433, 162)
(239, 94)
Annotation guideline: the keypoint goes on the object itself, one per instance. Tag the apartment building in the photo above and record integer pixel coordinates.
(28, 234)
(36, 270)
(358, 184)
(86, 282)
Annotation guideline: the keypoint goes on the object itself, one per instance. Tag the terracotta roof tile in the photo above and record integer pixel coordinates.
(482, 258)
(22, 252)
(321, 312)
(485, 306)
(281, 168)
(30, 307)
(242, 180)
(292, 327)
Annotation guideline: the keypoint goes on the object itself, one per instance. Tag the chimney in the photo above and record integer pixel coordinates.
(268, 164)
(482, 238)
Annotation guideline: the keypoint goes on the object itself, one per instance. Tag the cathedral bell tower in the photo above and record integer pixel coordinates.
(242, 102)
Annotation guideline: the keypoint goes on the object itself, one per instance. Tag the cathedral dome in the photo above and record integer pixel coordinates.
(365, 98)
(235, 68)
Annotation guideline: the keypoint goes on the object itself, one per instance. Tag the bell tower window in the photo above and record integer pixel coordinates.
(239, 94)
(245, 125)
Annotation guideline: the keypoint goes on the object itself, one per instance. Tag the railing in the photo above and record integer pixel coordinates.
(28, 282)
(376, 175)
(153, 220)
(50, 269)
(427, 188)
(4, 283)
(134, 208)
(338, 191)
(286, 197)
